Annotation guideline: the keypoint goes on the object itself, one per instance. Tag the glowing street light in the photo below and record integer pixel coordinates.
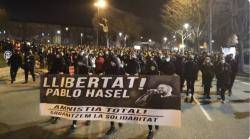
(120, 34)
(165, 39)
(149, 40)
(58, 31)
(100, 4)
(186, 26)
(81, 37)
(66, 28)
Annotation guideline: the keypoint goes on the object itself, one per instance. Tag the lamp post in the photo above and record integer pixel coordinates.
(100, 4)
(81, 37)
(184, 34)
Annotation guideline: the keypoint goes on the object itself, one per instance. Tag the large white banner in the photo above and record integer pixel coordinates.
(151, 100)
(118, 114)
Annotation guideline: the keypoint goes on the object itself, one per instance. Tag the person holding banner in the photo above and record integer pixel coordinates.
(167, 67)
(112, 67)
(83, 69)
(151, 69)
(57, 67)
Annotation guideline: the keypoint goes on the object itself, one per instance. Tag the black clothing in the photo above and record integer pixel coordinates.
(167, 68)
(190, 75)
(83, 64)
(57, 64)
(112, 66)
(132, 67)
(29, 65)
(207, 74)
(224, 78)
(234, 67)
(15, 63)
(151, 67)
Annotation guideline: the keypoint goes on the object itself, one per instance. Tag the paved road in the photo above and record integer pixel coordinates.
(20, 119)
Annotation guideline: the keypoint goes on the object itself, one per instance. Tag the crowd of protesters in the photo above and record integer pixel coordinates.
(89, 60)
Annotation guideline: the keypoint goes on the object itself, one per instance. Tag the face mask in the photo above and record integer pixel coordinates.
(208, 61)
(223, 61)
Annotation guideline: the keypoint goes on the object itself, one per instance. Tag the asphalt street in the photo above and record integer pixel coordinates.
(202, 119)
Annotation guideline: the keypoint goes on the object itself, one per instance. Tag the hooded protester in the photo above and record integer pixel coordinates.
(167, 67)
(207, 75)
(224, 77)
(132, 65)
(83, 63)
(190, 75)
(29, 65)
(15, 62)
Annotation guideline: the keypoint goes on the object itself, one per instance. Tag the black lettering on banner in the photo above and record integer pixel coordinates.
(134, 99)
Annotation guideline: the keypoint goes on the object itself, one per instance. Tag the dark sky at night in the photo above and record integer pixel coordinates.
(80, 12)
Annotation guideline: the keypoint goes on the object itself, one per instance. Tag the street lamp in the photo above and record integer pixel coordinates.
(66, 28)
(58, 32)
(81, 37)
(184, 33)
(149, 40)
(120, 34)
(186, 26)
(100, 4)
(165, 39)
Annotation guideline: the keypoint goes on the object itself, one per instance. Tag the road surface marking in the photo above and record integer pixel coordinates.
(246, 83)
(203, 110)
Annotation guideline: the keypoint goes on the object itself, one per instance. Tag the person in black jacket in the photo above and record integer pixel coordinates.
(112, 66)
(57, 67)
(83, 69)
(57, 63)
(29, 65)
(166, 66)
(151, 68)
(132, 65)
(190, 74)
(15, 63)
(224, 78)
(234, 67)
(179, 65)
(208, 75)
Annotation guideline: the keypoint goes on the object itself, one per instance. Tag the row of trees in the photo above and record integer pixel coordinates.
(229, 17)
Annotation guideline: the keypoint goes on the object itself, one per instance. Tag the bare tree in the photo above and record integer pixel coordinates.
(177, 12)
(118, 21)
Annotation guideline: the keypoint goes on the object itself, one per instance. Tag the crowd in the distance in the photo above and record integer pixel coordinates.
(90, 60)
